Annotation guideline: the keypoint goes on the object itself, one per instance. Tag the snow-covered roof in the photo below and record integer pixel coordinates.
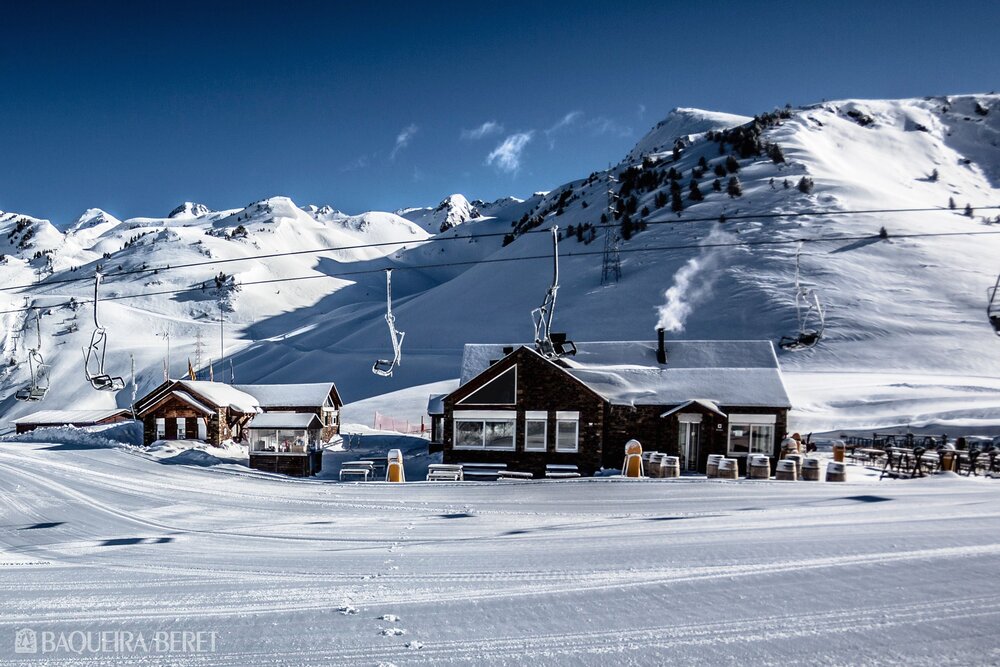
(222, 394)
(296, 420)
(193, 402)
(725, 372)
(68, 416)
(435, 404)
(289, 395)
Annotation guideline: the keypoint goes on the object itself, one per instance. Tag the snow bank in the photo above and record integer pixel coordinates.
(112, 435)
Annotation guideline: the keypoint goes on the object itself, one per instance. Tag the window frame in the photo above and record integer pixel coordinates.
(535, 417)
(483, 417)
(568, 418)
(752, 423)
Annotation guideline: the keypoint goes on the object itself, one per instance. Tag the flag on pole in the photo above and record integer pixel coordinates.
(191, 373)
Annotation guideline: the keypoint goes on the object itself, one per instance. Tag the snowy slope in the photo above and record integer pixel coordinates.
(583, 572)
(902, 311)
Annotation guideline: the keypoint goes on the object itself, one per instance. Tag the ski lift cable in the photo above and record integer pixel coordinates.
(500, 260)
(439, 239)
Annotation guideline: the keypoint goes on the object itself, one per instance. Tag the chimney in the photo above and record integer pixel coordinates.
(661, 349)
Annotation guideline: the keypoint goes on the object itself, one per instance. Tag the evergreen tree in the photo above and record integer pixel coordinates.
(805, 185)
(732, 166)
(645, 211)
(968, 210)
(717, 185)
(734, 187)
(933, 177)
(702, 162)
(695, 192)
(719, 170)
(676, 203)
(627, 227)
(774, 152)
(951, 203)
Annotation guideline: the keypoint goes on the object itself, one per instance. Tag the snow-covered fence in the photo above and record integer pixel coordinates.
(387, 423)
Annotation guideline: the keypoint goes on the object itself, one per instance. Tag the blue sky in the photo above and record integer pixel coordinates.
(136, 107)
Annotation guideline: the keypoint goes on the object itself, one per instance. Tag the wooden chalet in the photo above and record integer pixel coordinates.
(686, 398)
(195, 410)
(284, 424)
(80, 418)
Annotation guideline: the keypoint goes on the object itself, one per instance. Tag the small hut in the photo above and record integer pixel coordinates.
(286, 442)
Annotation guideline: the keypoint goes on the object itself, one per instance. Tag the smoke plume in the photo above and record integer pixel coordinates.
(693, 283)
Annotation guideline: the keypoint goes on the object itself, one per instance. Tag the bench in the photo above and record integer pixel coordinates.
(363, 469)
(444, 472)
(514, 475)
(483, 471)
(561, 471)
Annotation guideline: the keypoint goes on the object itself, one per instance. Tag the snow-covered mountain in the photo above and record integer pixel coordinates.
(907, 340)
(451, 212)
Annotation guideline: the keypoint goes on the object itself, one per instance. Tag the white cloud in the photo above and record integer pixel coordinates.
(641, 113)
(603, 125)
(564, 122)
(507, 155)
(484, 130)
(403, 140)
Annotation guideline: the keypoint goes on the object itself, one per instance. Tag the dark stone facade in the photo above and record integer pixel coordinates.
(604, 428)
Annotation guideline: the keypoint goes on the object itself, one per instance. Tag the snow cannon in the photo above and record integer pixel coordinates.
(394, 467)
(632, 467)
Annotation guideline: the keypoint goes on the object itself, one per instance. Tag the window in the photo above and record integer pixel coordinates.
(161, 428)
(488, 429)
(181, 428)
(567, 431)
(535, 431)
(751, 434)
(501, 390)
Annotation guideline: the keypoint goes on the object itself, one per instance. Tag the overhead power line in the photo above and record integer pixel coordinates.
(438, 239)
(500, 260)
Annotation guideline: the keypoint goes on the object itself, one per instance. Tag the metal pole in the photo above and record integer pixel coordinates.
(222, 339)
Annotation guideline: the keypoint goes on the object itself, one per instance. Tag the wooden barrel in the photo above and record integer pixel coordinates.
(712, 468)
(810, 470)
(786, 470)
(759, 467)
(728, 469)
(836, 472)
(670, 466)
(653, 464)
(797, 459)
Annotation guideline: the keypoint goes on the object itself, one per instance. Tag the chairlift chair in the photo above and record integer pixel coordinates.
(94, 355)
(808, 312)
(384, 367)
(993, 307)
(551, 345)
(36, 367)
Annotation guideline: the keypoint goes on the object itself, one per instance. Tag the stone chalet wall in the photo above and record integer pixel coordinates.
(540, 386)
(661, 433)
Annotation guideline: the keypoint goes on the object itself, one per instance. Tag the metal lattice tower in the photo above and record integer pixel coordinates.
(199, 347)
(611, 271)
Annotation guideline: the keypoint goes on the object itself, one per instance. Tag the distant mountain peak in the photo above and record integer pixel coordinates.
(190, 210)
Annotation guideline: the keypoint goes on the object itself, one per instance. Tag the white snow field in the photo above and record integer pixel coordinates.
(594, 571)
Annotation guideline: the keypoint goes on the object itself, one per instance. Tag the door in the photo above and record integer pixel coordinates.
(689, 441)
(202, 430)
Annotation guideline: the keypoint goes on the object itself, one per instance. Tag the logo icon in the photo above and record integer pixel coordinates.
(25, 641)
